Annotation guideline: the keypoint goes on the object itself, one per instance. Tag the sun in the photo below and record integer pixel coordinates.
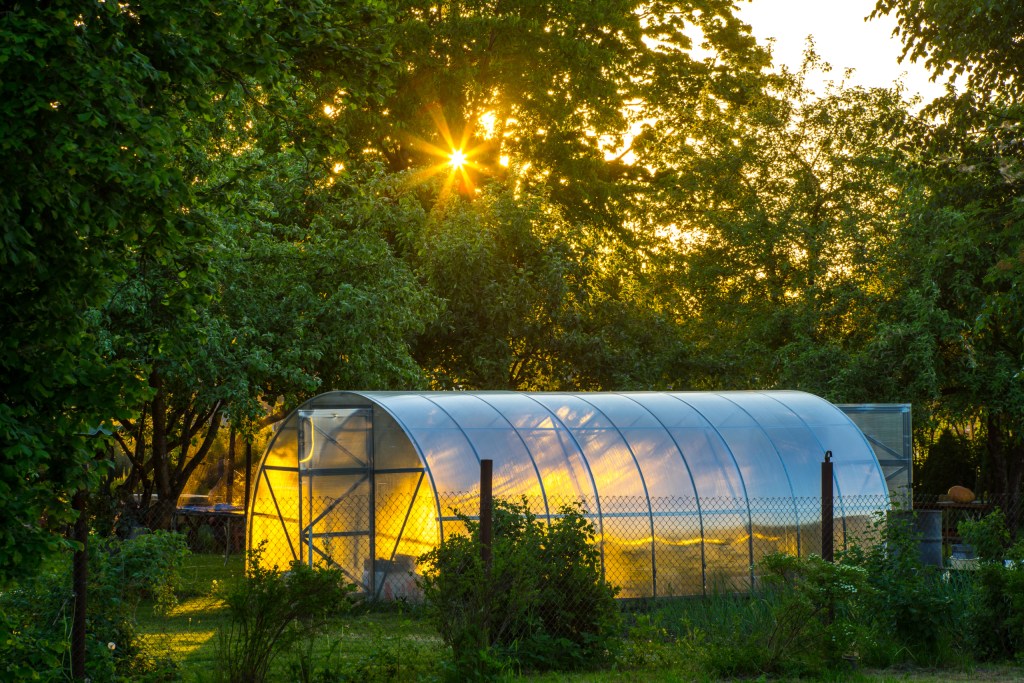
(457, 159)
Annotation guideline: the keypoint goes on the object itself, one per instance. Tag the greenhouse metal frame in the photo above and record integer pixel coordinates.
(685, 490)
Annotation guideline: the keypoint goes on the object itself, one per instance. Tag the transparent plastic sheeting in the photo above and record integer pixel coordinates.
(686, 491)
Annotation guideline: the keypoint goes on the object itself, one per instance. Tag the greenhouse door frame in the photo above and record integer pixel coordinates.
(365, 473)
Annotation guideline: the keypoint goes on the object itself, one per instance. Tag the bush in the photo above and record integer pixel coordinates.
(802, 619)
(270, 611)
(912, 612)
(37, 614)
(996, 614)
(544, 604)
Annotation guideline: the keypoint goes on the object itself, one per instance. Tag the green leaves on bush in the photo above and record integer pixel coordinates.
(36, 615)
(996, 612)
(543, 605)
(912, 612)
(270, 611)
(802, 619)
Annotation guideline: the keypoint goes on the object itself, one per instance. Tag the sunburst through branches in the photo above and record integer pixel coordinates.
(457, 159)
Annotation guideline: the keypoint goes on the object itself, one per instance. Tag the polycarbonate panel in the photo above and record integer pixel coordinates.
(671, 411)
(514, 474)
(522, 411)
(801, 455)
(758, 462)
(416, 413)
(469, 411)
(623, 411)
(719, 410)
(392, 448)
(726, 544)
(715, 473)
(765, 410)
(573, 412)
(678, 548)
(660, 461)
(282, 450)
(811, 409)
(696, 485)
(273, 516)
(453, 463)
(493, 437)
(856, 468)
(563, 471)
(628, 551)
(334, 438)
(611, 464)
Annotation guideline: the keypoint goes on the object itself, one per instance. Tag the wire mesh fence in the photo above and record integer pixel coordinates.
(649, 548)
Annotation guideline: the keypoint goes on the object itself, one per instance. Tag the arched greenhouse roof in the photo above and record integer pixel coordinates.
(684, 489)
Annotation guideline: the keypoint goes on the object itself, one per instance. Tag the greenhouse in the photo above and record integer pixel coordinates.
(686, 491)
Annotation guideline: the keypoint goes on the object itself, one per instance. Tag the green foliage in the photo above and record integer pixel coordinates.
(271, 611)
(148, 567)
(972, 38)
(911, 612)
(996, 615)
(37, 613)
(989, 535)
(951, 461)
(803, 619)
(543, 605)
(107, 117)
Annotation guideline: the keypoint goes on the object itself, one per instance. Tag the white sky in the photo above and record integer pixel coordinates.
(841, 37)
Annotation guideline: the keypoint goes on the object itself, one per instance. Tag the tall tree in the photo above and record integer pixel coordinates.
(98, 101)
(303, 295)
(968, 227)
(542, 98)
(778, 215)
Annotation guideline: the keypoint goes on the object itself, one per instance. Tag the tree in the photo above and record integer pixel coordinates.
(542, 257)
(779, 215)
(99, 104)
(967, 227)
(292, 308)
(964, 38)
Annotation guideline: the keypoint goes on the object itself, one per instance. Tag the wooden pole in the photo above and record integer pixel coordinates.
(229, 470)
(248, 472)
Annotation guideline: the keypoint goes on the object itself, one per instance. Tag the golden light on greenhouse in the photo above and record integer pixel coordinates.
(675, 484)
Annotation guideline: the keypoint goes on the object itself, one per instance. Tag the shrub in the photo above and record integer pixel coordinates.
(544, 604)
(37, 614)
(996, 614)
(802, 619)
(270, 611)
(911, 611)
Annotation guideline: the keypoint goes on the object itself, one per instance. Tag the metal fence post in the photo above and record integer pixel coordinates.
(486, 512)
(827, 513)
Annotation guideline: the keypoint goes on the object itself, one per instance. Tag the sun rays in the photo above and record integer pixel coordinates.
(457, 159)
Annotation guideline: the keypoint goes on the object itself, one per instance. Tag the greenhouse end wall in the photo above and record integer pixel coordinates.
(686, 491)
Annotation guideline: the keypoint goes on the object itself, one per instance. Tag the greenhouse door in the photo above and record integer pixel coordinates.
(336, 490)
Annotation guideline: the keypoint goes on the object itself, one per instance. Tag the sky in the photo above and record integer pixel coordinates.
(841, 37)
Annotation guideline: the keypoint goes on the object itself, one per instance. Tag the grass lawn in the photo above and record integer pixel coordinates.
(397, 644)
(366, 645)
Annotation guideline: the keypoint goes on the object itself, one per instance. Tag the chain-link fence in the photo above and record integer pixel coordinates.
(649, 549)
